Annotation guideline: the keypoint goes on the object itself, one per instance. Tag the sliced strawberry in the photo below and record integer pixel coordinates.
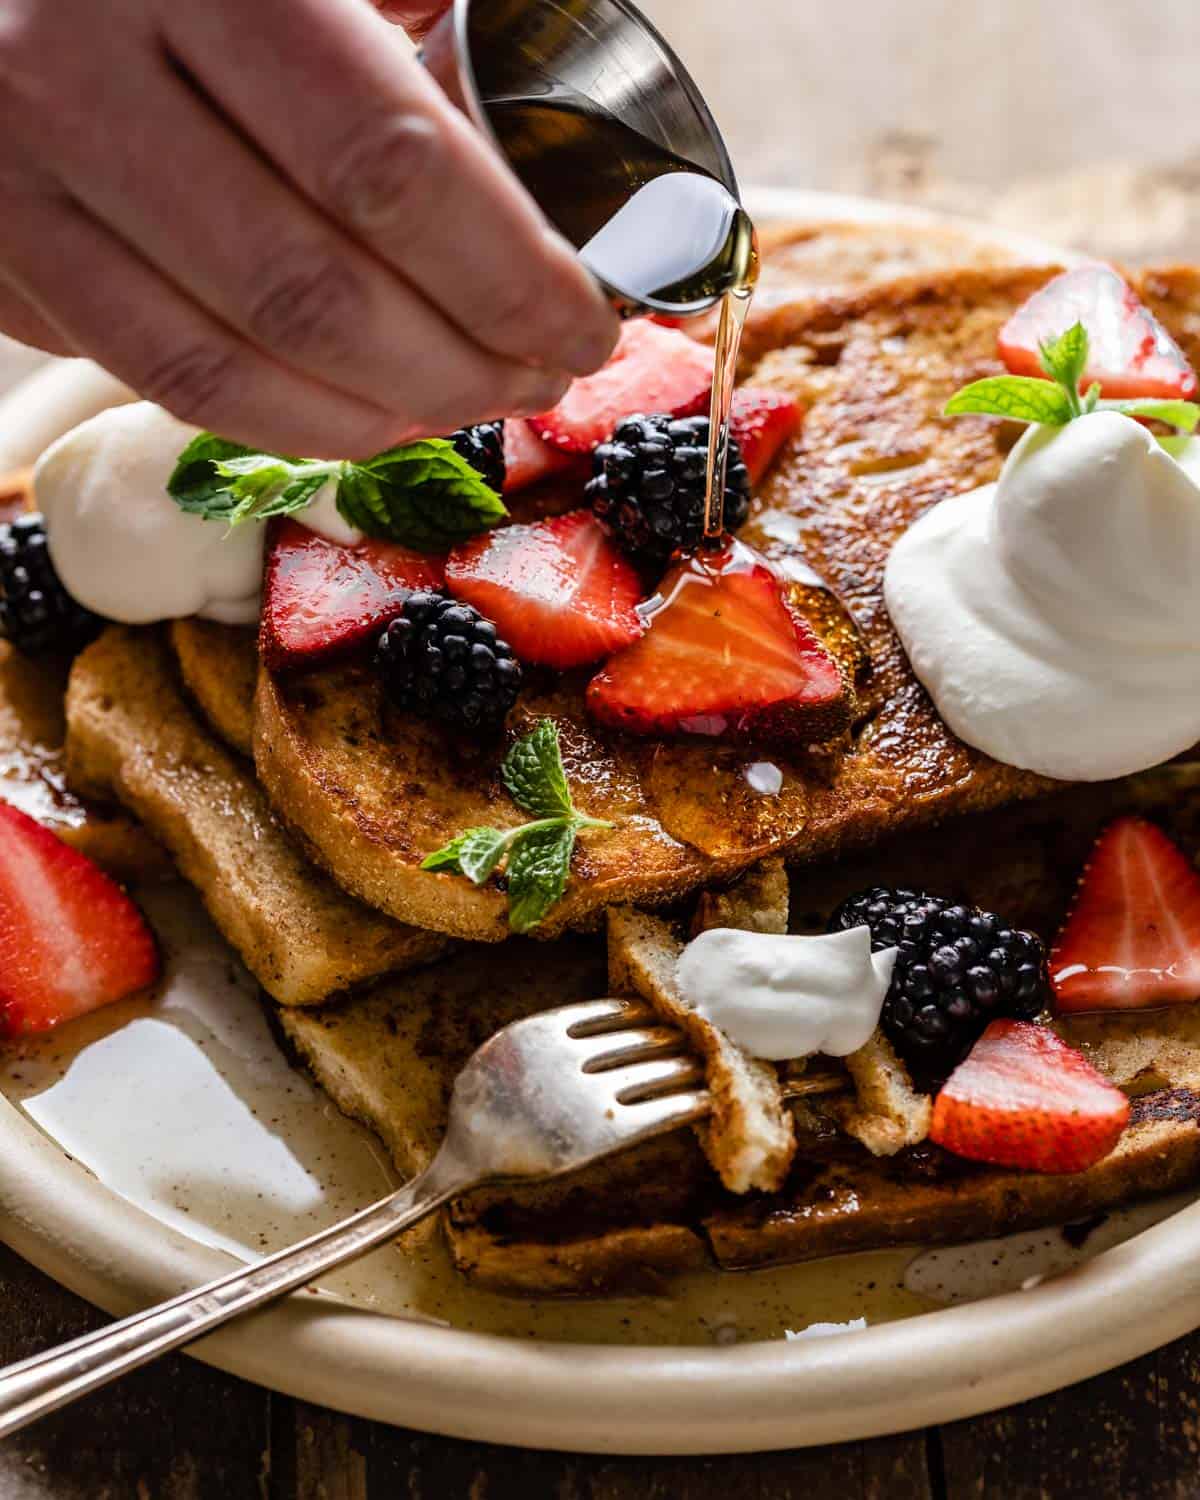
(528, 460)
(321, 600)
(725, 655)
(558, 591)
(1130, 353)
(762, 421)
(653, 369)
(1133, 935)
(70, 939)
(1024, 1098)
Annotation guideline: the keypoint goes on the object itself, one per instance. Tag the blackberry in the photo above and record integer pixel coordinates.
(442, 660)
(957, 969)
(36, 612)
(647, 488)
(483, 448)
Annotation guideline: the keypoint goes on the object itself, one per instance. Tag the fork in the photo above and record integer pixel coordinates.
(544, 1096)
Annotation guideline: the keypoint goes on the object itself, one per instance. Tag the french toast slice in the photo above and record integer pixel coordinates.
(389, 1057)
(133, 737)
(32, 730)
(373, 792)
(219, 667)
(749, 1138)
(33, 773)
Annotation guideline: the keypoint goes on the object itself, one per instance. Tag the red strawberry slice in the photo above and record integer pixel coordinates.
(321, 600)
(653, 369)
(527, 460)
(725, 655)
(762, 421)
(1130, 353)
(1132, 938)
(558, 591)
(1024, 1098)
(70, 939)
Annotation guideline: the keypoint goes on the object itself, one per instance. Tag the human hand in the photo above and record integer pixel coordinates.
(269, 219)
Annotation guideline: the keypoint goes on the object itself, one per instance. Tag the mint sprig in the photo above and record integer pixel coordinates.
(1055, 401)
(536, 855)
(423, 495)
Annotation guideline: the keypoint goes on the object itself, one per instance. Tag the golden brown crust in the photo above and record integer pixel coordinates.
(219, 667)
(132, 734)
(33, 774)
(863, 1205)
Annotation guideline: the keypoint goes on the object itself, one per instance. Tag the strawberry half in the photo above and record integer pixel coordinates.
(725, 655)
(1024, 1098)
(321, 600)
(528, 460)
(1130, 353)
(653, 369)
(1132, 938)
(558, 591)
(762, 421)
(70, 939)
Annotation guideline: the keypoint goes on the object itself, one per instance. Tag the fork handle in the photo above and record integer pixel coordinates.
(41, 1384)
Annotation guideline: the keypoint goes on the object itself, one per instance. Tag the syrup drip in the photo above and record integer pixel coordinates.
(734, 307)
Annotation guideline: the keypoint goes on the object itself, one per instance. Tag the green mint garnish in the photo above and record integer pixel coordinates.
(1055, 401)
(538, 854)
(423, 495)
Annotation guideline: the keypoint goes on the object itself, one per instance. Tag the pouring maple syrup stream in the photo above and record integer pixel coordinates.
(649, 223)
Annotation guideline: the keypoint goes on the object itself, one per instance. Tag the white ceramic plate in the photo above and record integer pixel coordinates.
(141, 1147)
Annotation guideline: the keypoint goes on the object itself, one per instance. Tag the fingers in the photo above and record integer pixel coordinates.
(22, 322)
(369, 137)
(231, 234)
(154, 339)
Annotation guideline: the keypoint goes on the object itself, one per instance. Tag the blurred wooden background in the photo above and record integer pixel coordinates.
(1075, 120)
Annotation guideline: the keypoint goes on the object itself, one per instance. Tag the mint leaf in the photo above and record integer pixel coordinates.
(1020, 397)
(537, 871)
(424, 495)
(538, 853)
(1064, 359)
(195, 484)
(533, 773)
(475, 853)
(266, 486)
(1183, 415)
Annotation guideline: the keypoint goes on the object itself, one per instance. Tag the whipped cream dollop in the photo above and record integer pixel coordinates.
(1054, 617)
(120, 543)
(122, 546)
(779, 996)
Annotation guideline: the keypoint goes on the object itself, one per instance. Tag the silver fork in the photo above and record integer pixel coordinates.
(545, 1096)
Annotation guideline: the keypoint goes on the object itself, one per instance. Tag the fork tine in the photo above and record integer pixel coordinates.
(635, 1045)
(596, 1017)
(667, 1112)
(661, 1075)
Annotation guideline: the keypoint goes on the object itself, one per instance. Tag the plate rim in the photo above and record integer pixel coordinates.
(621, 1399)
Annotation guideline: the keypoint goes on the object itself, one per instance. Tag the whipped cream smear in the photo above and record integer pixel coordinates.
(780, 997)
(1054, 617)
(122, 546)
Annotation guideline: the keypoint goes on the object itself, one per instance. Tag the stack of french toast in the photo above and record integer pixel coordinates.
(302, 806)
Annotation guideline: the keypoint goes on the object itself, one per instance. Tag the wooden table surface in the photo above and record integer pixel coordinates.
(1101, 151)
